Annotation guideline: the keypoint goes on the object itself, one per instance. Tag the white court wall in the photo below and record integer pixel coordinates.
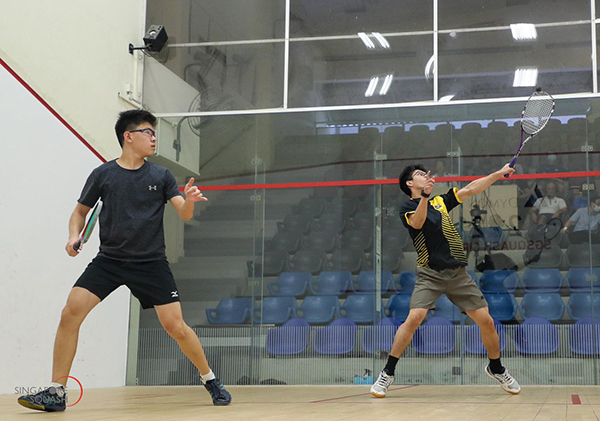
(74, 54)
(43, 167)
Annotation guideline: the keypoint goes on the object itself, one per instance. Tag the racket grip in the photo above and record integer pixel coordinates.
(77, 245)
(512, 165)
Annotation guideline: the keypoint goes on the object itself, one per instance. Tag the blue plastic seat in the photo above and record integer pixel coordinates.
(230, 311)
(488, 235)
(276, 310)
(311, 207)
(436, 336)
(502, 306)
(360, 308)
(290, 284)
(583, 279)
(391, 259)
(406, 282)
(542, 280)
(499, 281)
(319, 308)
(550, 306)
(580, 255)
(584, 336)
(331, 283)
(350, 260)
(296, 223)
(536, 336)
(365, 282)
(307, 261)
(472, 337)
(322, 241)
(580, 305)
(398, 306)
(289, 339)
(474, 276)
(360, 239)
(339, 337)
(446, 309)
(286, 241)
(271, 264)
(380, 337)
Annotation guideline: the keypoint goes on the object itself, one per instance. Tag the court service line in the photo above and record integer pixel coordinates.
(361, 394)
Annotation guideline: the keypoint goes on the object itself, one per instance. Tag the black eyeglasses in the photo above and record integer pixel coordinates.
(148, 132)
(421, 173)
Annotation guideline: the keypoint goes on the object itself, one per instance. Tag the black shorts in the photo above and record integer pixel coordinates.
(150, 282)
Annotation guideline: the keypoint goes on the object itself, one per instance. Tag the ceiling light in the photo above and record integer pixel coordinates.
(523, 31)
(525, 77)
(372, 86)
(382, 41)
(386, 84)
(365, 38)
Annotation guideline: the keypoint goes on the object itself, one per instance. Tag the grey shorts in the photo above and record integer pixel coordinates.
(456, 283)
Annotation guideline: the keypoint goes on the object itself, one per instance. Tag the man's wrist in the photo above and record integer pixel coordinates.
(425, 195)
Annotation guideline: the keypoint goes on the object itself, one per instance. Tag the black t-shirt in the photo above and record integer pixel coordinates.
(437, 243)
(131, 221)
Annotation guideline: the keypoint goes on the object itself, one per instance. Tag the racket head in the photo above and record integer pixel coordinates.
(552, 228)
(537, 112)
(91, 223)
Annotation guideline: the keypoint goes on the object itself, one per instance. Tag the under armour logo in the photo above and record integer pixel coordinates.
(151, 187)
(174, 294)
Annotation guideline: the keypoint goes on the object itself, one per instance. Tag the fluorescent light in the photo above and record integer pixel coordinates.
(384, 42)
(525, 77)
(372, 86)
(386, 84)
(523, 31)
(447, 98)
(365, 38)
(429, 67)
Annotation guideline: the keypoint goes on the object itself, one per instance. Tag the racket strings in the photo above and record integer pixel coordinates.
(537, 112)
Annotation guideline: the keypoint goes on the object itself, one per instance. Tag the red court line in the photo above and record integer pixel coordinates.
(361, 394)
(576, 400)
(49, 108)
(573, 174)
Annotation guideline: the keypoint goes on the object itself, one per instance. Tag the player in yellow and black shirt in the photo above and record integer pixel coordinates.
(441, 269)
(438, 244)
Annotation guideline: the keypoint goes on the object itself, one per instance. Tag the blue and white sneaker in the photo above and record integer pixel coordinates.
(51, 399)
(220, 395)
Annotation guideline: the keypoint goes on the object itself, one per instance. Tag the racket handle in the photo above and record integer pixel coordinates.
(77, 245)
(512, 165)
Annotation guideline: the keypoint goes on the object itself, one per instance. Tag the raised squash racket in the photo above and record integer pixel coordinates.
(536, 114)
(89, 227)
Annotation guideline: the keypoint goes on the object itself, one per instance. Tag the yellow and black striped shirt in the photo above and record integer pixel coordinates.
(438, 244)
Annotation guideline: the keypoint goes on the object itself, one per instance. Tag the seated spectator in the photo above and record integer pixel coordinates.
(548, 207)
(551, 165)
(580, 221)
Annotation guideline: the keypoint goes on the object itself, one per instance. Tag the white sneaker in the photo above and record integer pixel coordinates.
(507, 381)
(380, 387)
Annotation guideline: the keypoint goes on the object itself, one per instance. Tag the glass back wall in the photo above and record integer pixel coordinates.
(307, 282)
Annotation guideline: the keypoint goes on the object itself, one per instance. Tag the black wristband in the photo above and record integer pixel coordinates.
(425, 195)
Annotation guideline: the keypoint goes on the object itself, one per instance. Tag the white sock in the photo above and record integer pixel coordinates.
(208, 376)
(57, 385)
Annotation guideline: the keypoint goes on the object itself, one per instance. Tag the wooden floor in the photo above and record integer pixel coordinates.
(316, 403)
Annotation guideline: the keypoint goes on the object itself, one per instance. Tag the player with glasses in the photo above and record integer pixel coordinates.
(132, 253)
(441, 269)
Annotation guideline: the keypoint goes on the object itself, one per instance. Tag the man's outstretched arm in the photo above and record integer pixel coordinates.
(479, 185)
